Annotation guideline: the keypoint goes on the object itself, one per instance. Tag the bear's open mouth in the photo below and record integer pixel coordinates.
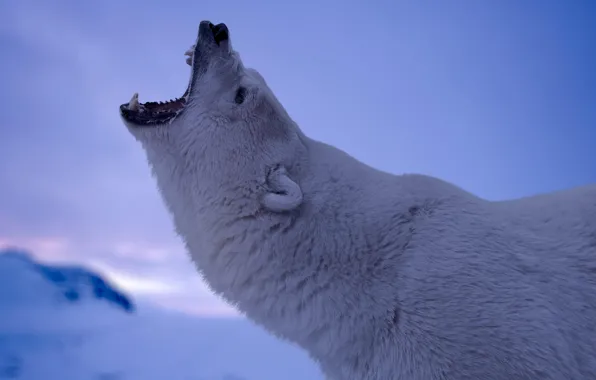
(162, 112)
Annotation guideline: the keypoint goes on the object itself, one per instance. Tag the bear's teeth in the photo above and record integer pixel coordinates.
(133, 104)
(189, 53)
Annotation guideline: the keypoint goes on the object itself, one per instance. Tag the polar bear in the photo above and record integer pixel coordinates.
(377, 276)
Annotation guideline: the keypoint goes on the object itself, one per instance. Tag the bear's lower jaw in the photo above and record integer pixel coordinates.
(153, 113)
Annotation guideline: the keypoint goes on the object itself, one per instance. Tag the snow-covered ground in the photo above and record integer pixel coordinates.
(46, 333)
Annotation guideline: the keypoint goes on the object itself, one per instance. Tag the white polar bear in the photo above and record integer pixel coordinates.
(377, 276)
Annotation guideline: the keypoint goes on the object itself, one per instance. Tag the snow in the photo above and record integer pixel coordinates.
(44, 335)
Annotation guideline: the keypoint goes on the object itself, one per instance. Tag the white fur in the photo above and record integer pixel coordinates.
(377, 276)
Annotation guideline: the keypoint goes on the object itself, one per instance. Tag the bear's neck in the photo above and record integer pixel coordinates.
(321, 276)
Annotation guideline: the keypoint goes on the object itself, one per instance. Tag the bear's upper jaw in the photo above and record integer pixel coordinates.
(164, 112)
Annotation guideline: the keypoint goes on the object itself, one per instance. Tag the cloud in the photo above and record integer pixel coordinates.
(50, 248)
(137, 284)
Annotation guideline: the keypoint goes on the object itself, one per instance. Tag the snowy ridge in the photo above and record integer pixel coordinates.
(53, 284)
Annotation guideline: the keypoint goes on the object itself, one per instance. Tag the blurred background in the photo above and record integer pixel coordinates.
(498, 97)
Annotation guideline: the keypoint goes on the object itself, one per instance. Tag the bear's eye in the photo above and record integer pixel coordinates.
(240, 95)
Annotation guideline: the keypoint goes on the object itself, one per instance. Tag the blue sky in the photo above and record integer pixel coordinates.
(498, 97)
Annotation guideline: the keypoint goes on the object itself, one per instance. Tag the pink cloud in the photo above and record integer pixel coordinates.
(48, 248)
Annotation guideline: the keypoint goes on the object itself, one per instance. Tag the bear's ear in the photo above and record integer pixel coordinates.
(283, 194)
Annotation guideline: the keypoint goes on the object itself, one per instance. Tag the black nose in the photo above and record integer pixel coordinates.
(220, 32)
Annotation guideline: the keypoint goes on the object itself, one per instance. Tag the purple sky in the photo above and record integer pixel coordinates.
(497, 97)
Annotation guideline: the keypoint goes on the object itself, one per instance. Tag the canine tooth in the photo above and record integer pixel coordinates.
(133, 104)
(189, 53)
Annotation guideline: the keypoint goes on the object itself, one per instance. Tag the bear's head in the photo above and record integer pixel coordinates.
(227, 129)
